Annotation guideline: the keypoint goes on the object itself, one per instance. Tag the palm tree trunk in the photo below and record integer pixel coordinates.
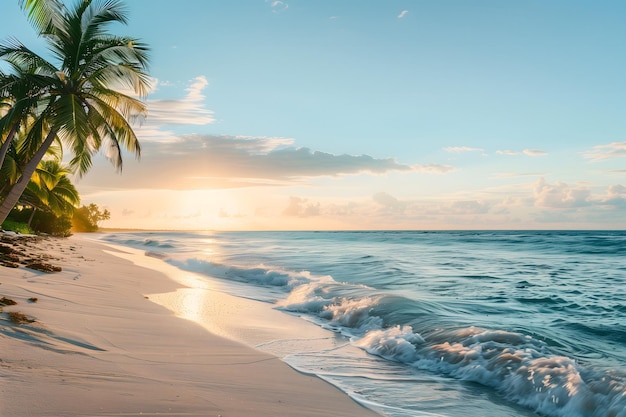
(16, 191)
(32, 215)
(5, 146)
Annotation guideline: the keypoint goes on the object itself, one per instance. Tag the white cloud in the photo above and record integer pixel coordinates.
(189, 110)
(164, 83)
(617, 190)
(534, 152)
(402, 14)
(507, 152)
(560, 195)
(461, 149)
(611, 150)
(262, 144)
(277, 5)
(615, 196)
(433, 168)
(527, 152)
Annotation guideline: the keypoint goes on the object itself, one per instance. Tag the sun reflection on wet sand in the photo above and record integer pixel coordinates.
(205, 301)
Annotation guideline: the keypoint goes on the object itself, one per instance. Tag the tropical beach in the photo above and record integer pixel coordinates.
(407, 209)
(249, 323)
(98, 346)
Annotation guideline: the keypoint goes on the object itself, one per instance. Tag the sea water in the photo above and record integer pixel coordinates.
(493, 323)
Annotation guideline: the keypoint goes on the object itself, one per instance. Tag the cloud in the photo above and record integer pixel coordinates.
(560, 195)
(615, 196)
(461, 149)
(189, 110)
(277, 5)
(301, 207)
(611, 150)
(389, 202)
(468, 207)
(534, 152)
(209, 161)
(433, 168)
(417, 209)
(516, 175)
(527, 152)
(617, 190)
(402, 14)
(507, 152)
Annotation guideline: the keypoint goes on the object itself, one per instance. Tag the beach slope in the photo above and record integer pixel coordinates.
(99, 347)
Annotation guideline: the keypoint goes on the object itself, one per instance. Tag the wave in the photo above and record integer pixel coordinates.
(521, 368)
(140, 242)
(259, 275)
(526, 369)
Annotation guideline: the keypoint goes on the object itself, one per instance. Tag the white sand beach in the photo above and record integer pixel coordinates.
(100, 346)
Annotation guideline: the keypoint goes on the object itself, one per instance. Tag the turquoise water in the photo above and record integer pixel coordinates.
(453, 323)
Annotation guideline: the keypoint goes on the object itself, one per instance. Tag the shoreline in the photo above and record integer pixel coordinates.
(104, 344)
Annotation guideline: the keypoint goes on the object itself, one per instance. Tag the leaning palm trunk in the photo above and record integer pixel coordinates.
(18, 188)
(32, 216)
(7, 143)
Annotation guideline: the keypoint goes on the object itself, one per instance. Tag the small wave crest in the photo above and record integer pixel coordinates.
(259, 275)
(140, 242)
(521, 368)
(349, 314)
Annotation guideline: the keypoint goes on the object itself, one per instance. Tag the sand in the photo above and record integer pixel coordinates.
(113, 336)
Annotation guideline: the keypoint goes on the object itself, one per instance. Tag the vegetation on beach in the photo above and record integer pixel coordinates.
(14, 316)
(17, 227)
(7, 302)
(19, 318)
(78, 102)
(28, 220)
(86, 218)
(18, 251)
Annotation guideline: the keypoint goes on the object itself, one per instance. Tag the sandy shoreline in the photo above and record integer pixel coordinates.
(99, 346)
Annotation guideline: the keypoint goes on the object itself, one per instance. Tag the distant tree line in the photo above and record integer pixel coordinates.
(81, 219)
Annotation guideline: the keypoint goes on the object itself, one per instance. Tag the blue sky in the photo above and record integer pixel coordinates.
(374, 114)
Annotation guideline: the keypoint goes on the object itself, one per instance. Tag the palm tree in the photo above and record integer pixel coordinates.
(50, 189)
(19, 97)
(16, 158)
(83, 104)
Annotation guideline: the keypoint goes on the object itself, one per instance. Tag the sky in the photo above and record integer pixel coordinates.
(359, 114)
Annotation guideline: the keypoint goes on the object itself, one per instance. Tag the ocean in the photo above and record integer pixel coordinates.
(444, 323)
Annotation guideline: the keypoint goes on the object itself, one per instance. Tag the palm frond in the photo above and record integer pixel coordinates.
(119, 125)
(43, 14)
(95, 18)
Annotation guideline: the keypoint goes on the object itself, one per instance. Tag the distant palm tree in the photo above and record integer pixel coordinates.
(19, 98)
(51, 190)
(83, 103)
(18, 156)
